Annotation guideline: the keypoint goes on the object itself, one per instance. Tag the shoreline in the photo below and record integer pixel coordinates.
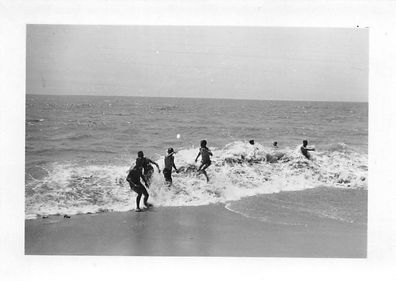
(209, 230)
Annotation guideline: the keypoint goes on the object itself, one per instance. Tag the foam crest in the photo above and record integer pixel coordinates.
(238, 170)
(72, 189)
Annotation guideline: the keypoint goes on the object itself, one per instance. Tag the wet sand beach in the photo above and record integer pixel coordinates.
(210, 230)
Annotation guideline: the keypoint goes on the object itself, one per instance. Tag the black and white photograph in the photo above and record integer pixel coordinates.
(195, 140)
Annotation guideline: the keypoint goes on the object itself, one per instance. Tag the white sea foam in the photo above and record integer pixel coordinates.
(238, 170)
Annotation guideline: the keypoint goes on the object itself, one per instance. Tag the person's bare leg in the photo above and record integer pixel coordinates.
(138, 202)
(200, 167)
(146, 197)
(203, 171)
(206, 175)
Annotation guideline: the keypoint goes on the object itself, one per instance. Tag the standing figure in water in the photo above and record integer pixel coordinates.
(169, 164)
(205, 154)
(304, 149)
(133, 178)
(145, 164)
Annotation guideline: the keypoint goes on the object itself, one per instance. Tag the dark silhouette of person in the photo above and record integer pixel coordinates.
(133, 178)
(205, 154)
(145, 164)
(304, 149)
(169, 164)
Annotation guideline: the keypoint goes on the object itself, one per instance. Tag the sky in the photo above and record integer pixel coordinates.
(264, 63)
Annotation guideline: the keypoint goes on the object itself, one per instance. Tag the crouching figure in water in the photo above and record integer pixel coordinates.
(133, 178)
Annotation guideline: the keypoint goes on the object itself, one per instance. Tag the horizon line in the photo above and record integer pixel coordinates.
(210, 98)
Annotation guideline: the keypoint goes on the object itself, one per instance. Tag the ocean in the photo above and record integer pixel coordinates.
(79, 148)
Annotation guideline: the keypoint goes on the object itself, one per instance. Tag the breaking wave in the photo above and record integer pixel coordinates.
(238, 170)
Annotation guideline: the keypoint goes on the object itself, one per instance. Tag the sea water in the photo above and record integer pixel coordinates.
(79, 148)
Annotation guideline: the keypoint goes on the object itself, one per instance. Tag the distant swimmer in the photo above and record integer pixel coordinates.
(145, 164)
(304, 149)
(133, 178)
(251, 155)
(275, 154)
(205, 154)
(169, 164)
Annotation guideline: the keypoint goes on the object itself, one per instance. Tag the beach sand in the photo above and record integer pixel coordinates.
(210, 230)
